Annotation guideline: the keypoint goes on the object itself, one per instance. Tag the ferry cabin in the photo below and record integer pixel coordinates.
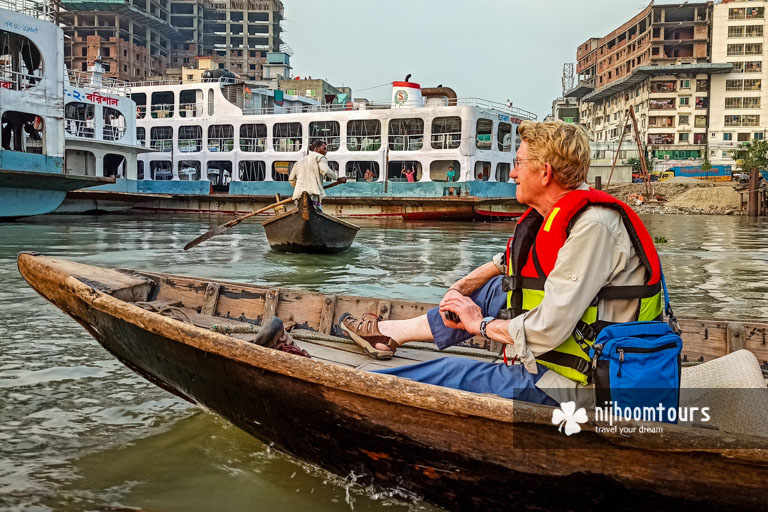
(241, 140)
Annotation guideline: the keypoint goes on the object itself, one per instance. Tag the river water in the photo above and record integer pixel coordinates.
(79, 431)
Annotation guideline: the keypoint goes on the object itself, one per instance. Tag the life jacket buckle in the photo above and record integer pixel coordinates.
(508, 284)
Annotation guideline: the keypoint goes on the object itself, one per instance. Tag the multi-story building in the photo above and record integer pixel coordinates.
(739, 107)
(658, 64)
(141, 39)
(133, 37)
(241, 33)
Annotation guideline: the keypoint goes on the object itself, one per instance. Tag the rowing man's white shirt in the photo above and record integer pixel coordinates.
(307, 175)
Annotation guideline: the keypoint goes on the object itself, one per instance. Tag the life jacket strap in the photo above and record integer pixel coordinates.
(579, 364)
(640, 291)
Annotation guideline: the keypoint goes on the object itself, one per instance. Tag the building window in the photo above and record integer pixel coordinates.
(84, 66)
(753, 102)
(727, 136)
(700, 122)
(685, 84)
(752, 85)
(734, 85)
(682, 120)
(84, 51)
(702, 102)
(701, 85)
(753, 49)
(685, 101)
(737, 31)
(733, 120)
(754, 31)
(753, 66)
(684, 137)
(666, 86)
(738, 67)
(743, 137)
(732, 102)
(758, 135)
(735, 49)
(750, 120)
(746, 13)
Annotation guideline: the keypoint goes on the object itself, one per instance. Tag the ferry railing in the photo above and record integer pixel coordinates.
(107, 84)
(448, 140)
(80, 128)
(368, 143)
(332, 141)
(190, 145)
(36, 9)
(162, 110)
(286, 144)
(163, 145)
(257, 145)
(17, 81)
(406, 142)
(221, 144)
(190, 109)
(111, 132)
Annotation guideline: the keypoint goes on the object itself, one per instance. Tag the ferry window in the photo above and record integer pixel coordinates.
(114, 124)
(191, 103)
(161, 138)
(502, 172)
(114, 165)
(160, 170)
(364, 135)
(21, 64)
(253, 137)
(505, 137)
(219, 174)
(190, 139)
(252, 170)
(211, 101)
(79, 119)
(22, 132)
(139, 170)
(327, 131)
(446, 133)
(141, 104)
(162, 105)
(141, 136)
(445, 170)
(221, 137)
(482, 171)
(189, 170)
(362, 171)
(399, 170)
(484, 133)
(334, 165)
(286, 137)
(281, 170)
(406, 134)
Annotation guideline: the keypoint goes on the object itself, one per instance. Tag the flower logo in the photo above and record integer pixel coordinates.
(568, 415)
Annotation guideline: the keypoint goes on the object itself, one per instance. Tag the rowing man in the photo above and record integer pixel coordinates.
(307, 175)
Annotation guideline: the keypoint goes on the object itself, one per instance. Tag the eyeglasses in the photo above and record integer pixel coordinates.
(516, 161)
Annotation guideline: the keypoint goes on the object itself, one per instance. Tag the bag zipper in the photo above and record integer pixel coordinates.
(639, 350)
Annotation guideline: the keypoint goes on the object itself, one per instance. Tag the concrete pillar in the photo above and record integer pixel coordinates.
(131, 171)
(99, 171)
(753, 196)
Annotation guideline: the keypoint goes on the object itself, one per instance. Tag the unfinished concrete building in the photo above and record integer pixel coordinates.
(240, 33)
(133, 36)
(187, 18)
(659, 64)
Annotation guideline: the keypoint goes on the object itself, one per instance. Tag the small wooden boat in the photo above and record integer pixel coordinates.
(456, 449)
(305, 229)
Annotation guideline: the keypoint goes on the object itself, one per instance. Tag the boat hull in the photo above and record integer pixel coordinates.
(306, 230)
(458, 450)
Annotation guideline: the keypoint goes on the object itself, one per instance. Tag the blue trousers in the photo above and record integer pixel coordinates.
(467, 374)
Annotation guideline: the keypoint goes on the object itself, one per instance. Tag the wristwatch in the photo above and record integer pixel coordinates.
(484, 324)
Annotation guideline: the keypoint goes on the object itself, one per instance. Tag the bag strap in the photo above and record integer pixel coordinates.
(673, 323)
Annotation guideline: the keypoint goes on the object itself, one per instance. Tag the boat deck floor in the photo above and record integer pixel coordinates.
(338, 352)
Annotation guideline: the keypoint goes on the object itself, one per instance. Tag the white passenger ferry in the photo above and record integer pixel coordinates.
(217, 145)
(32, 177)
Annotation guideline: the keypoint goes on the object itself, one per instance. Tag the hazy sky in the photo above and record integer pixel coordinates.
(491, 49)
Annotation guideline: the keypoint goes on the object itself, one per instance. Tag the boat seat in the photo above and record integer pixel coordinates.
(733, 388)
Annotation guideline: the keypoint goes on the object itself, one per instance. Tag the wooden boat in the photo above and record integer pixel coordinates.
(456, 449)
(305, 229)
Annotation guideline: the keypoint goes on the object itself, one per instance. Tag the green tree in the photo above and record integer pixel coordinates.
(635, 163)
(754, 154)
(706, 165)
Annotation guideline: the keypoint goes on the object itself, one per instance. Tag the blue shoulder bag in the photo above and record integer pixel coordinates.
(637, 364)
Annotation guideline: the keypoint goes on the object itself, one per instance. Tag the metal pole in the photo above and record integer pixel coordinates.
(616, 155)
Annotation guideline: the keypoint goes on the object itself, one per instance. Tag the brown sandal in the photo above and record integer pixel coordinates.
(365, 332)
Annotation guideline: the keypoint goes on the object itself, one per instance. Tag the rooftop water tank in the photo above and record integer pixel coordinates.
(406, 95)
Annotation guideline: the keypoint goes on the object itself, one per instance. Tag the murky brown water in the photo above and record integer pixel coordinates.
(79, 431)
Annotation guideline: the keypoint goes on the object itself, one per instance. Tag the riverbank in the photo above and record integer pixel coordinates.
(687, 196)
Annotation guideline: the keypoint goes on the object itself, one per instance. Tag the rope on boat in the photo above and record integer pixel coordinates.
(312, 336)
(170, 311)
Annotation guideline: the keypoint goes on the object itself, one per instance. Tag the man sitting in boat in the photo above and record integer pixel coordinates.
(307, 174)
(571, 266)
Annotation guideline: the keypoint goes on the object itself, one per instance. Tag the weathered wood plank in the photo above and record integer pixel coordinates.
(211, 299)
(736, 336)
(270, 305)
(327, 314)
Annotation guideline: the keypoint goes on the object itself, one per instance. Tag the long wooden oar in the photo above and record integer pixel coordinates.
(223, 228)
